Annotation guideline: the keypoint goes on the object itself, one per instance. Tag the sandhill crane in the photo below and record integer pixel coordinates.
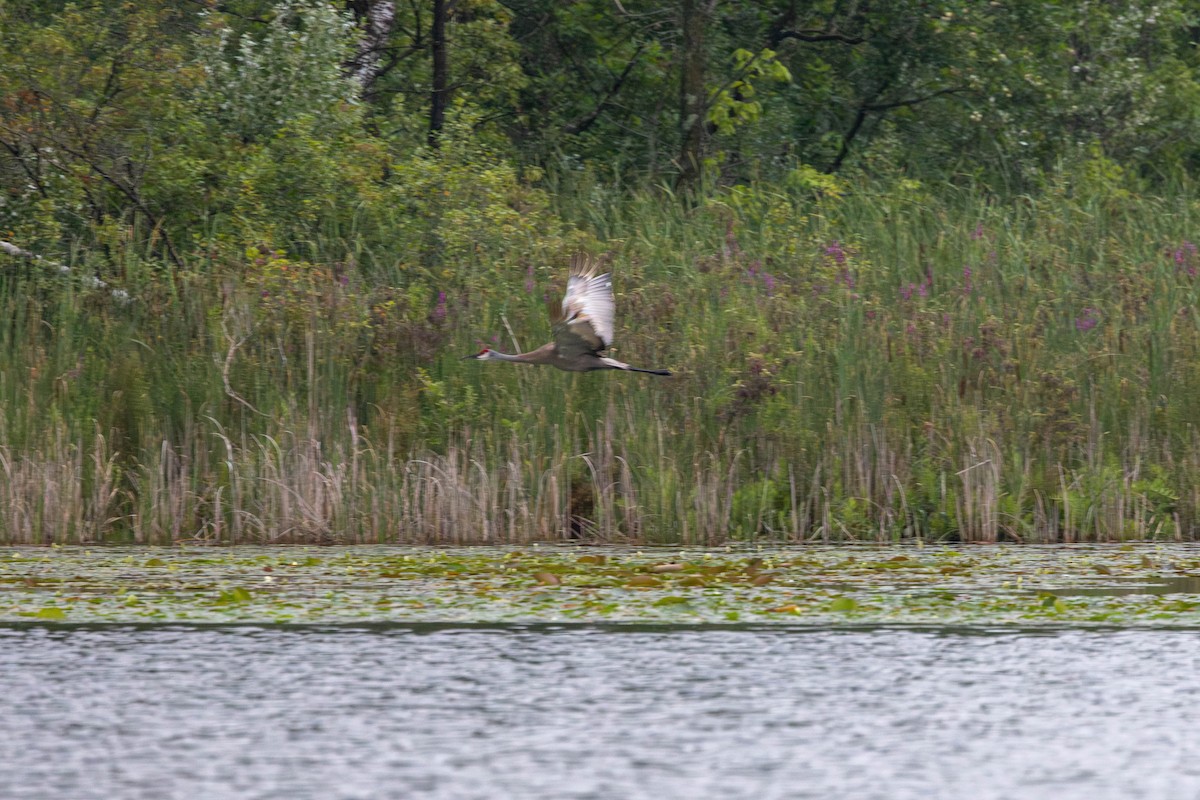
(582, 329)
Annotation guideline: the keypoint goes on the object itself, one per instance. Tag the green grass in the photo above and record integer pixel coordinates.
(897, 363)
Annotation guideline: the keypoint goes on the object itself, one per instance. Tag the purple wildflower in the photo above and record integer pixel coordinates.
(1087, 320)
(769, 282)
(836, 252)
(919, 289)
(1185, 258)
(967, 280)
(977, 234)
(439, 311)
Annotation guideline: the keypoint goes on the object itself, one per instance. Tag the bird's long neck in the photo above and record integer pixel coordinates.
(520, 358)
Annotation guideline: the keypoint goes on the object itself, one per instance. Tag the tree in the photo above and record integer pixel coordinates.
(441, 72)
(693, 90)
(95, 109)
(377, 20)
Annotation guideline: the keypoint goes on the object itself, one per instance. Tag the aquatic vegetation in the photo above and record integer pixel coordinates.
(1033, 379)
(996, 585)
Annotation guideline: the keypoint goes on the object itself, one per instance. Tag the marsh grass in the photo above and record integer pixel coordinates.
(883, 365)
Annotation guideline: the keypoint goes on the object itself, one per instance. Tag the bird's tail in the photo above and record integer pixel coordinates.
(614, 364)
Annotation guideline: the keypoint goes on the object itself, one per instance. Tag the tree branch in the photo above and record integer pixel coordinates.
(223, 8)
(813, 36)
(866, 108)
(34, 176)
(860, 116)
(92, 282)
(16, 252)
(131, 194)
(783, 28)
(914, 100)
(586, 121)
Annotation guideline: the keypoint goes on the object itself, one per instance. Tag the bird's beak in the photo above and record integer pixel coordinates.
(469, 357)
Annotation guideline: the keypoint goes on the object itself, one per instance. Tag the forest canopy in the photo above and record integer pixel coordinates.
(260, 121)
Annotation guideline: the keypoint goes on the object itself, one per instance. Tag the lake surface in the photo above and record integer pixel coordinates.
(597, 712)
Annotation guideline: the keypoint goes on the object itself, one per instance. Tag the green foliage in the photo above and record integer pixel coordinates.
(94, 105)
(940, 283)
(257, 85)
(734, 104)
(462, 200)
(453, 407)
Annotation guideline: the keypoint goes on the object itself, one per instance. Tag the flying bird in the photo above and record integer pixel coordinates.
(583, 328)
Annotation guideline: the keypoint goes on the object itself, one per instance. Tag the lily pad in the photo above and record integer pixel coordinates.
(843, 604)
(1152, 584)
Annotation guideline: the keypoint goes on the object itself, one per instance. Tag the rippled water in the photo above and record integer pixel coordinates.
(174, 712)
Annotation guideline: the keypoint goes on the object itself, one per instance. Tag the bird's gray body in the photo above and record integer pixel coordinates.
(583, 328)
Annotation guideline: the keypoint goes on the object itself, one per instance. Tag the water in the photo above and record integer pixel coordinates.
(176, 712)
(1159, 587)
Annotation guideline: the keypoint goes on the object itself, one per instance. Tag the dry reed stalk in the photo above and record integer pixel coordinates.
(978, 501)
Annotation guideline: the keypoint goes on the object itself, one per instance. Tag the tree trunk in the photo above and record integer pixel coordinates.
(378, 18)
(693, 105)
(441, 73)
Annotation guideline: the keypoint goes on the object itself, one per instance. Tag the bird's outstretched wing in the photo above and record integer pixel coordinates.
(586, 322)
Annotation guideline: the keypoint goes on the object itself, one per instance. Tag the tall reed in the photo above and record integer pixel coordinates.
(890, 364)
